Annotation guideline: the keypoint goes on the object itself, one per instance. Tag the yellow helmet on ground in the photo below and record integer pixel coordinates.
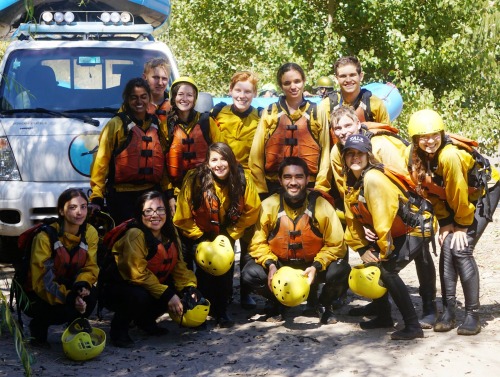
(290, 286)
(186, 80)
(324, 82)
(81, 341)
(194, 315)
(425, 122)
(216, 257)
(365, 281)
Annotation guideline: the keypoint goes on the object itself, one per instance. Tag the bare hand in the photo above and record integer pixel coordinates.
(370, 235)
(459, 238)
(175, 305)
(92, 207)
(171, 205)
(444, 231)
(310, 272)
(369, 257)
(83, 292)
(80, 305)
(272, 271)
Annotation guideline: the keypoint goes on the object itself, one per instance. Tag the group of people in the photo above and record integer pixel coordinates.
(296, 183)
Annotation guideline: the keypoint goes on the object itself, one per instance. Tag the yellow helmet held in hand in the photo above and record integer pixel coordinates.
(180, 80)
(365, 281)
(216, 257)
(194, 314)
(81, 341)
(290, 286)
(425, 122)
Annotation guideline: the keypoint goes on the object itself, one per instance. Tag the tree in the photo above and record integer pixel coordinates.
(441, 54)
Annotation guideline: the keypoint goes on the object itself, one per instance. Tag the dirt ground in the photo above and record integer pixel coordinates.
(298, 347)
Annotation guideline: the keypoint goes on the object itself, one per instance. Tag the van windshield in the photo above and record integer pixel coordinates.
(66, 79)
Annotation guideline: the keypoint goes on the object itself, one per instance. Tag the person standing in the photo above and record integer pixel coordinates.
(189, 134)
(298, 228)
(130, 159)
(237, 124)
(403, 223)
(157, 74)
(457, 182)
(368, 107)
(216, 198)
(293, 126)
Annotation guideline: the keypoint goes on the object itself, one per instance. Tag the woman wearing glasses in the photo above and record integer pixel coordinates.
(148, 275)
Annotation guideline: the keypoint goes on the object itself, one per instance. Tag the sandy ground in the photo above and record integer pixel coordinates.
(298, 347)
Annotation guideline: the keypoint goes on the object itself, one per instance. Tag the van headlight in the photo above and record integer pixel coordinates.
(8, 166)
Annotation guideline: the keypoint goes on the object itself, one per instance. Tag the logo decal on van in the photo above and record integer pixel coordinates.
(81, 152)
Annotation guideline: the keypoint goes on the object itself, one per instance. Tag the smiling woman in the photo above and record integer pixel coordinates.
(216, 198)
(126, 165)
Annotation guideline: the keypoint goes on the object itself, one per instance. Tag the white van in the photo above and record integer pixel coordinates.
(61, 81)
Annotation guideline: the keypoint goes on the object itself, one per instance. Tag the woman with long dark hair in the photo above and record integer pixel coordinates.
(403, 223)
(147, 275)
(216, 198)
(464, 191)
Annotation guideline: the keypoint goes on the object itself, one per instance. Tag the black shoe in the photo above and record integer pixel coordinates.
(377, 323)
(247, 302)
(471, 324)
(275, 312)
(41, 344)
(224, 321)
(122, 341)
(365, 311)
(311, 311)
(153, 329)
(328, 318)
(340, 302)
(408, 333)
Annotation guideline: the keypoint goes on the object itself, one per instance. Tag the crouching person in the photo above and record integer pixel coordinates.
(63, 268)
(300, 229)
(147, 275)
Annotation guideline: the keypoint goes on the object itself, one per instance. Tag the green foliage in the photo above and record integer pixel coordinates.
(442, 54)
(7, 321)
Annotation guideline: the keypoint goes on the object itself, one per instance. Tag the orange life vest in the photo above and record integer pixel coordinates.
(160, 111)
(406, 219)
(207, 214)
(66, 265)
(477, 177)
(299, 239)
(140, 158)
(161, 259)
(187, 151)
(162, 262)
(292, 139)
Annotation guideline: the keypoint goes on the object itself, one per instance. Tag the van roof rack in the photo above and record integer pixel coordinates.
(84, 31)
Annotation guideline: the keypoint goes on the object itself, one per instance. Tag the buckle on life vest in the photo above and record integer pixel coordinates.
(147, 139)
(188, 140)
(188, 155)
(291, 141)
(294, 233)
(295, 246)
(296, 261)
(146, 171)
(292, 127)
(146, 153)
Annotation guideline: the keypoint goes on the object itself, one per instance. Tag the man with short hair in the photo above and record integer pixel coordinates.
(157, 74)
(298, 228)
